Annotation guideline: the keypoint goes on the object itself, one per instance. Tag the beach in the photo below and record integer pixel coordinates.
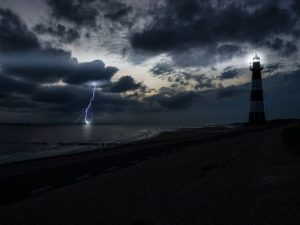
(244, 176)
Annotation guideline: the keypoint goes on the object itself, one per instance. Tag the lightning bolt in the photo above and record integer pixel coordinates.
(86, 113)
(88, 109)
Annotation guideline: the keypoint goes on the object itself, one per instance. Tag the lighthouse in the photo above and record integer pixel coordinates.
(257, 111)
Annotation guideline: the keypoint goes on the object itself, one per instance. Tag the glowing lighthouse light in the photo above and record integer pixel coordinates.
(256, 58)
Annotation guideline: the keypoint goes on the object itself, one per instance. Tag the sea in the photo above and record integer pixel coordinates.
(25, 142)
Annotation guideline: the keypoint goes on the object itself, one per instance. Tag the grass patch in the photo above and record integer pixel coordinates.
(291, 136)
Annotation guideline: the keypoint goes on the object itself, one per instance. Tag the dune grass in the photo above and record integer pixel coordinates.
(291, 136)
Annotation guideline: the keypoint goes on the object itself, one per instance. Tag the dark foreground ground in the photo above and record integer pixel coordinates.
(246, 179)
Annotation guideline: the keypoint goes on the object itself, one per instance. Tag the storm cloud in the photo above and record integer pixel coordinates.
(229, 73)
(218, 28)
(30, 61)
(185, 24)
(64, 34)
(77, 12)
(14, 34)
(125, 83)
(53, 65)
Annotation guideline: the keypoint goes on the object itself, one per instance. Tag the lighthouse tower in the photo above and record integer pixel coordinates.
(257, 112)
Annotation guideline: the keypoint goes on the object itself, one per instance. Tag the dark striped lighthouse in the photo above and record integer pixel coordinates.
(257, 112)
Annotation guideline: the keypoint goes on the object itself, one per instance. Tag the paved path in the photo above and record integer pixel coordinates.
(250, 180)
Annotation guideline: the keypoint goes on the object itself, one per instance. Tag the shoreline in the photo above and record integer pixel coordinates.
(180, 138)
(69, 148)
(48, 149)
(164, 138)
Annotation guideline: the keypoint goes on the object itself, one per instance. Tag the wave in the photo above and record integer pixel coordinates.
(73, 147)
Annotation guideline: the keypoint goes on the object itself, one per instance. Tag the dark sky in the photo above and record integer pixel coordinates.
(152, 61)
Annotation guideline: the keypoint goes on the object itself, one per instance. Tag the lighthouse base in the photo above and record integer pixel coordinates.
(256, 118)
